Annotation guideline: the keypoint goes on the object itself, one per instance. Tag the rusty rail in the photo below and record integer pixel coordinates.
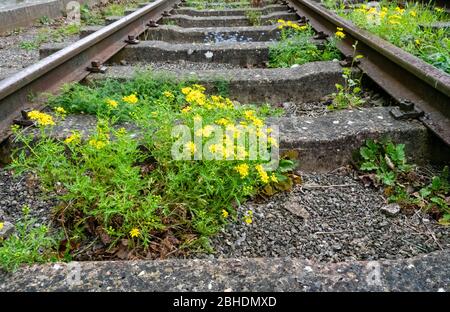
(402, 75)
(71, 63)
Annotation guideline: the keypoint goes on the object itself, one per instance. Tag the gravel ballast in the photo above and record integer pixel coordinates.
(330, 217)
(17, 192)
(13, 57)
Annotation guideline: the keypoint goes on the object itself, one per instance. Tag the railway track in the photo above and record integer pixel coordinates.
(214, 44)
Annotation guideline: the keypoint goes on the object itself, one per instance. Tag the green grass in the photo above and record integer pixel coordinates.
(28, 245)
(408, 27)
(297, 47)
(254, 17)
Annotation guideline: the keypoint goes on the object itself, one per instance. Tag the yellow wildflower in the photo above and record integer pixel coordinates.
(186, 90)
(206, 131)
(122, 131)
(262, 174)
(417, 41)
(2, 225)
(272, 141)
(222, 121)
(215, 148)
(98, 144)
(274, 178)
(196, 97)
(73, 138)
(248, 217)
(224, 213)
(413, 13)
(130, 99)
(242, 169)
(258, 122)
(135, 233)
(399, 10)
(41, 118)
(168, 94)
(249, 114)
(111, 103)
(191, 147)
(187, 109)
(339, 33)
(60, 110)
(372, 11)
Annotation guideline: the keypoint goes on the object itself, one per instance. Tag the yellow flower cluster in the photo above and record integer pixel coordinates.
(205, 132)
(98, 144)
(393, 18)
(130, 99)
(73, 138)
(168, 94)
(262, 174)
(339, 33)
(60, 110)
(191, 147)
(242, 169)
(42, 119)
(250, 115)
(195, 96)
(248, 218)
(289, 24)
(224, 213)
(1, 225)
(112, 103)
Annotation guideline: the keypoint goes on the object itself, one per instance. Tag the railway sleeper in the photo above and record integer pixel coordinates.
(173, 33)
(324, 142)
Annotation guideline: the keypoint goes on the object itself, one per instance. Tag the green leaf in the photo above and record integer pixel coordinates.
(388, 178)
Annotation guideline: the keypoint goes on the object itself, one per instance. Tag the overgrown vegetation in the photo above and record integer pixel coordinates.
(387, 167)
(296, 46)
(254, 17)
(29, 244)
(348, 94)
(47, 34)
(54, 31)
(126, 187)
(408, 26)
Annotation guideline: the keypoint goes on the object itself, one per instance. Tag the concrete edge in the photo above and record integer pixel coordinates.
(424, 273)
(27, 14)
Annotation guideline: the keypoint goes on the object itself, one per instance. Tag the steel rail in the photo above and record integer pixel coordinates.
(400, 74)
(70, 64)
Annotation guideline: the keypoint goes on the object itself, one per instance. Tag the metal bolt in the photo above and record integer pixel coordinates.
(348, 61)
(303, 20)
(152, 23)
(132, 40)
(97, 67)
(406, 110)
